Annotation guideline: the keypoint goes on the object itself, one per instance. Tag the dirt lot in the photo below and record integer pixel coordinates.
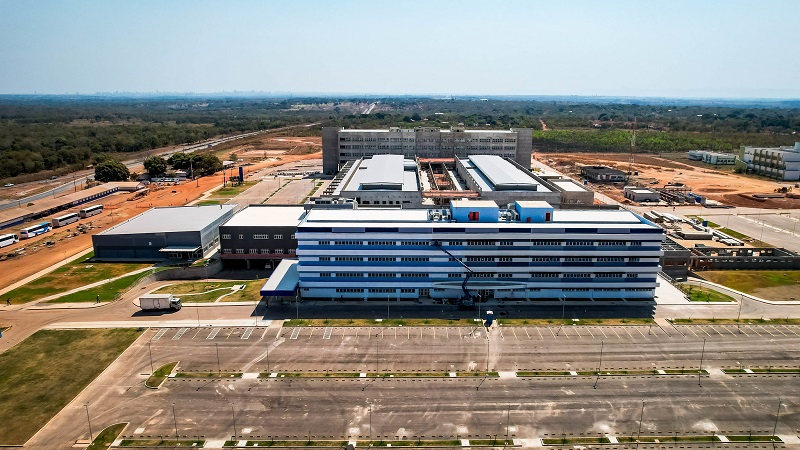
(275, 146)
(118, 207)
(721, 185)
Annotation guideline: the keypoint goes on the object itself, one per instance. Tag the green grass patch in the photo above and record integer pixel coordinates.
(714, 321)
(250, 293)
(73, 275)
(703, 294)
(211, 202)
(43, 373)
(160, 443)
(578, 322)
(749, 281)
(420, 443)
(233, 190)
(311, 374)
(161, 374)
(208, 375)
(542, 373)
(210, 291)
(574, 440)
(478, 374)
(489, 443)
(710, 223)
(752, 438)
(743, 237)
(298, 443)
(764, 370)
(107, 292)
(666, 439)
(106, 437)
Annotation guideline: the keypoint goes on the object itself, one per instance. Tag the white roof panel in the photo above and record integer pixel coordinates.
(255, 215)
(170, 220)
(568, 186)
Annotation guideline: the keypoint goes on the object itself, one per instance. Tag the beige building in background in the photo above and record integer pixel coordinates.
(340, 145)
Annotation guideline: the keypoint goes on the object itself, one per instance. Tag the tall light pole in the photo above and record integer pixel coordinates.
(487, 354)
(508, 421)
(639, 434)
(739, 315)
(370, 421)
(91, 438)
(233, 412)
(268, 371)
(775, 427)
(175, 420)
(376, 354)
(599, 365)
(219, 367)
(150, 350)
(702, 354)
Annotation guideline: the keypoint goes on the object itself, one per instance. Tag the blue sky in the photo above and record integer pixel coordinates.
(674, 48)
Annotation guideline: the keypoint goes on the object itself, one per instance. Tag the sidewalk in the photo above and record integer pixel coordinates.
(183, 323)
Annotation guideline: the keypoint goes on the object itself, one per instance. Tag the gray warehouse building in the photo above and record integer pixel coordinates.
(185, 232)
(340, 145)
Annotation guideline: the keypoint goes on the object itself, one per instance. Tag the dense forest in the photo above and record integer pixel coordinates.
(66, 133)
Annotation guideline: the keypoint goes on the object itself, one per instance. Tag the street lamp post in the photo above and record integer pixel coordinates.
(370, 421)
(376, 354)
(91, 438)
(219, 367)
(233, 412)
(639, 433)
(150, 350)
(599, 365)
(175, 420)
(775, 427)
(702, 354)
(508, 422)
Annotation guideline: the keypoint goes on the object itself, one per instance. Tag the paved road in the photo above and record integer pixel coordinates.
(291, 408)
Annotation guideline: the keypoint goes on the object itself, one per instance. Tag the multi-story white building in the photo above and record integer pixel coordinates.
(528, 252)
(340, 145)
(782, 163)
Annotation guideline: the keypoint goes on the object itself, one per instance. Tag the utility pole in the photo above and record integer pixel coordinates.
(702, 354)
(508, 422)
(639, 434)
(599, 365)
(150, 350)
(775, 427)
(91, 438)
(175, 420)
(219, 369)
(233, 412)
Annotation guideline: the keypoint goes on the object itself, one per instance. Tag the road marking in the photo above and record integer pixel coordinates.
(159, 334)
(690, 329)
(327, 333)
(763, 328)
(728, 330)
(754, 330)
(590, 332)
(196, 333)
(501, 333)
(395, 333)
(515, 333)
(526, 332)
(577, 331)
(264, 333)
(604, 333)
(703, 329)
(560, 329)
(311, 334)
(247, 333)
(739, 328)
(434, 333)
(213, 333)
(712, 327)
(614, 329)
(640, 331)
(179, 334)
(420, 333)
(295, 333)
(551, 331)
(778, 330)
(229, 333)
(628, 332)
(790, 331)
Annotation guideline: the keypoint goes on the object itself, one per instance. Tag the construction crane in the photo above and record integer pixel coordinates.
(466, 299)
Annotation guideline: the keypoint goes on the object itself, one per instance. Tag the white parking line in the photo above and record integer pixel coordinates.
(767, 330)
(295, 333)
(728, 330)
(311, 334)
(717, 331)
(790, 331)
(778, 330)
(514, 332)
(159, 334)
(327, 333)
(179, 334)
(614, 329)
(754, 330)
(690, 329)
(628, 332)
(264, 333)
(551, 331)
(196, 333)
(604, 333)
(590, 332)
(247, 333)
(540, 333)
(639, 329)
(213, 333)
(703, 329)
(526, 332)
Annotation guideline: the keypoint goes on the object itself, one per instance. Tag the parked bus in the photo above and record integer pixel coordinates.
(8, 239)
(65, 220)
(90, 211)
(34, 230)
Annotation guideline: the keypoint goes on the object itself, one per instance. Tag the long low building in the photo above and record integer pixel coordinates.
(181, 233)
(530, 251)
(260, 236)
(47, 206)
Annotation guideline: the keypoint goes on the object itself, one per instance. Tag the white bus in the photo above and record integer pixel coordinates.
(8, 239)
(65, 220)
(34, 230)
(90, 211)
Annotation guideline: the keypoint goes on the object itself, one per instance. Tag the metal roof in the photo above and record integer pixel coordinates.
(366, 215)
(283, 281)
(170, 220)
(568, 185)
(260, 215)
(503, 175)
(180, 249)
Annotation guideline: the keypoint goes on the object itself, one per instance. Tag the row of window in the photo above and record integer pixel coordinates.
(258, 236)
(481, 275)
(429, 140)
(412, 291)
(485, 243)
(262, 251)
(481, 259)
